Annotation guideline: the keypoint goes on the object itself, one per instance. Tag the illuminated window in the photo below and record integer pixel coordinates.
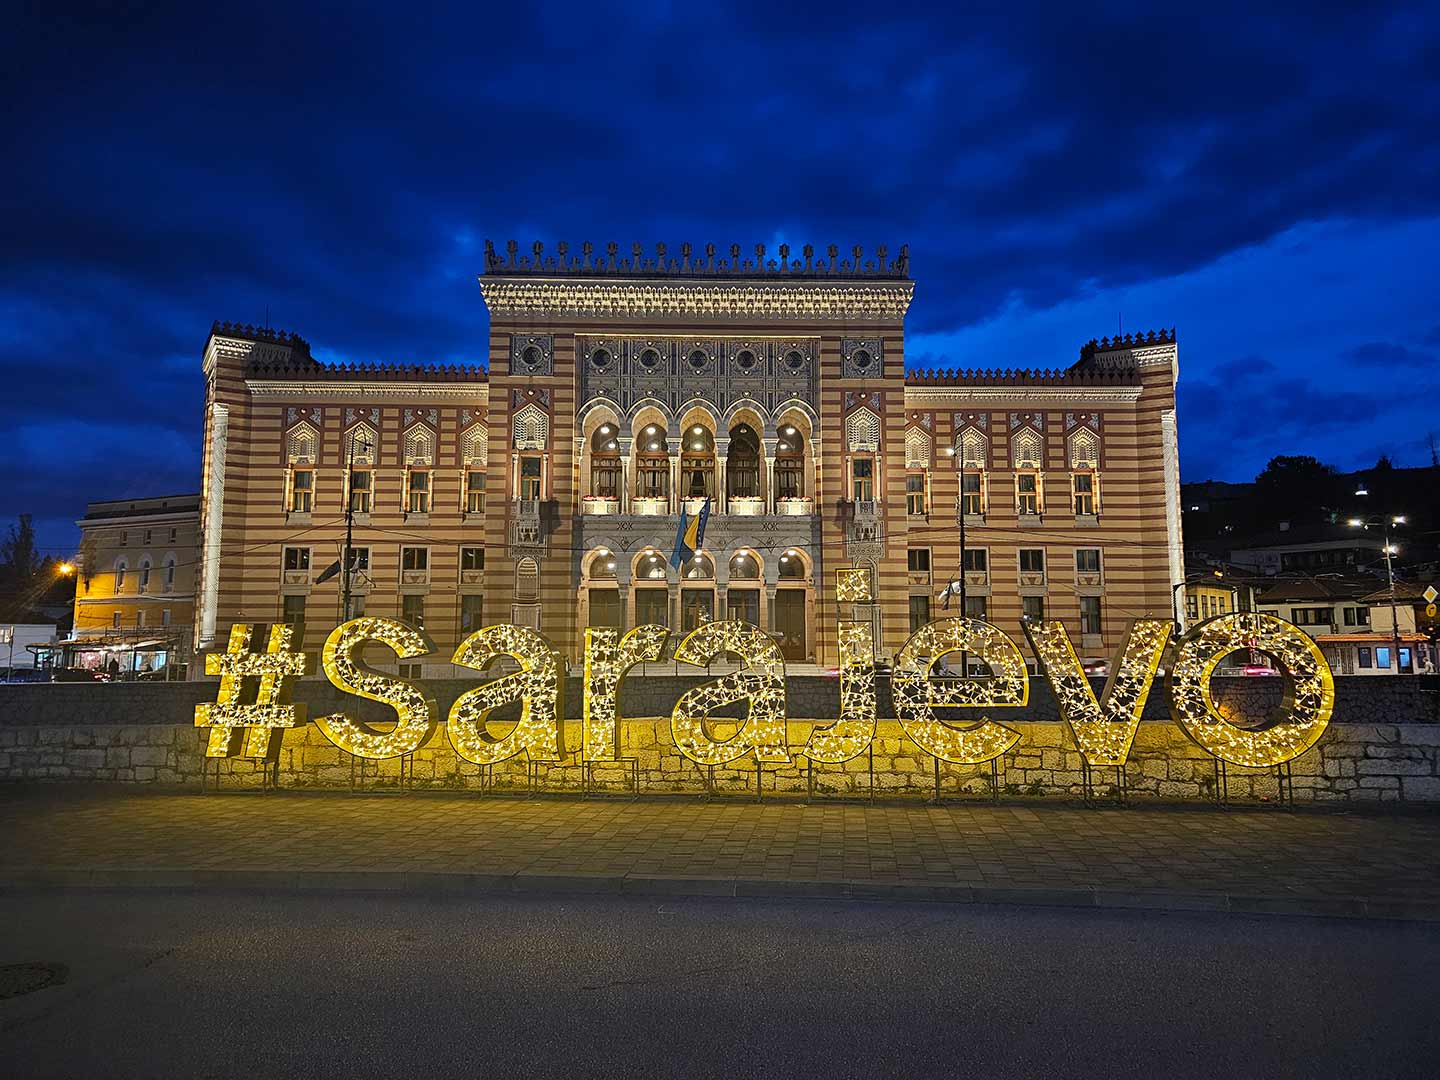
(361, 481)
(419, 492)
(144, 575)
(169, 573)
(302, 490)
(915, 494)
(742, 464)
(972, 500)
(530, 478)
(120, 569)
(605, 463)
(1382, 656)
(140, 620)
(789, 464)
(1027, 499)
(697, 463)
(474, 492)
(862, 479)
(1082, 485)
(115, 621)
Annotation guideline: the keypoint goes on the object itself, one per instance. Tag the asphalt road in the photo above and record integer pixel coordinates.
(234, 984)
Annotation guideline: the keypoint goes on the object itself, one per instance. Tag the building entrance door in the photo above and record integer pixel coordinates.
(652, 606)
(790, 623)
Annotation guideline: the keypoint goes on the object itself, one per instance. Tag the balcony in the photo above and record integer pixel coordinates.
(746, 506)
(694, 506)
(525, 523)
(648, 507)
(796, 506)
(599, 506)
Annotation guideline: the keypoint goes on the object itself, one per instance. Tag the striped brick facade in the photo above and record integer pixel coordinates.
(612, 358)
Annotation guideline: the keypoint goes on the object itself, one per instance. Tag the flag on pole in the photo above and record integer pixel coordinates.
(690, 535)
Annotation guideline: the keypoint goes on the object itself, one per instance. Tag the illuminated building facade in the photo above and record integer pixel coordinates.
(545, 489)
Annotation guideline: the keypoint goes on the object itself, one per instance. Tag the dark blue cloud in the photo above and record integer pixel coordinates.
(339, 165)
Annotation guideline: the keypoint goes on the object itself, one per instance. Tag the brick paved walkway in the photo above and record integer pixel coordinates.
(1308, 860)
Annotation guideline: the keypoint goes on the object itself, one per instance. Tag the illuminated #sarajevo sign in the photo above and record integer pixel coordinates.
(1103, 728)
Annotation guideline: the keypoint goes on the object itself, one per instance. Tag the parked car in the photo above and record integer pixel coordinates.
(78, 674)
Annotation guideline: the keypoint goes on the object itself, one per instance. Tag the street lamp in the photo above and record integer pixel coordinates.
(1385, 522)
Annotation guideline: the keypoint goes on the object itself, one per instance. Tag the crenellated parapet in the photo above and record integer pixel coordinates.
(692, 263)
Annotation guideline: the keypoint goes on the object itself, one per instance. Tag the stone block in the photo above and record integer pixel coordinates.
(1393, 767)
(117, 757)
(153, 756)
(1420, 735)
(1419, 788)
(1375, 782)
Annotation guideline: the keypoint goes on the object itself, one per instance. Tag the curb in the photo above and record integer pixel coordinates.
(531, 883)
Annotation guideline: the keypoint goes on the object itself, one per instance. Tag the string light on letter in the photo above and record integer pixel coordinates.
(271, 711)
(852, 585)
(415, 710)
(1103, 729)
(855, 730)
(917, 695)
(763, 684)
(536, 686)
(608, 657)
(1294, 726)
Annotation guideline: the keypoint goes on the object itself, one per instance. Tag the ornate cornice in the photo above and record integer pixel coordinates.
(948, 395)
(283, 390)
(795, 301)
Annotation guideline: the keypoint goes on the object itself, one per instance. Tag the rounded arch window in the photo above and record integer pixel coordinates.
(652, 566)
(742, 464)
(699, 568)
(605, 440)
(649, 359)
(792, 566)
(602, 566)
(745, 360)
(794, 360)
(744, 567)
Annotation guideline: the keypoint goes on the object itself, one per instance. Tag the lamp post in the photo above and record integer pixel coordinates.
(1385, 522)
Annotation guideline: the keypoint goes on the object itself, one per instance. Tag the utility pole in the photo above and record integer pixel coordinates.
(1394, 619)
(346, 560)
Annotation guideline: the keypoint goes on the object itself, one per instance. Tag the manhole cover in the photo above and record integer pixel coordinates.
(17, 979)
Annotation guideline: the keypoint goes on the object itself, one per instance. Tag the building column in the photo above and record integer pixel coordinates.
(1175, 551)
(627, 617)
(672, 591)
(627, 471)
(676, 448)
(214, 520)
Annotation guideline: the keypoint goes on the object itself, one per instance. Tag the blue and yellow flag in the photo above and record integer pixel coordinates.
(690, 535)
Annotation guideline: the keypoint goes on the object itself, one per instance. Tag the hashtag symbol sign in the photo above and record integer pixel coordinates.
(230, 716)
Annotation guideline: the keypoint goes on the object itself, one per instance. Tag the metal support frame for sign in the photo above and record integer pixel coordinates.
(810, 777)
(587, 783)
(360, 768)
(269, 777)
(707, 775)
(1222, 782)
(1284, 784)
(1087, 782)
(938, 800)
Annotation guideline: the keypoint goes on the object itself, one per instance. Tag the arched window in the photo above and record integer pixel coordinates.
(697, 463)
(419, 446)
(974, 457)
(531, 428)
(361, 444)
(862, 440)
(602, 565)
(652, 463)
(1085, 472)
(792, 566)
(699, 567)
(1027, 454)
(917, 471)
(744, 566)
(120, 568)
(742, 464)
(650, 566)
(527, 579)
(475, 445)
(144, 575)
(170, 573)
(789, 463)
(605, 462)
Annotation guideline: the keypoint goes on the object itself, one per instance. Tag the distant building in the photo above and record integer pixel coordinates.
(135, 587)
(19, 642)
(1349, 619)
(1317, 549)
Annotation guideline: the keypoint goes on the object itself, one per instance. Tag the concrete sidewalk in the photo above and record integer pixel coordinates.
(1379, 864)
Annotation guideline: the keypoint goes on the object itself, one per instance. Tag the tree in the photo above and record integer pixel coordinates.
(18, 550)
(1295, 488)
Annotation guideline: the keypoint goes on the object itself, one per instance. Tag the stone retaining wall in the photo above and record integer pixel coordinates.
(1383, 744)
(1359, 762)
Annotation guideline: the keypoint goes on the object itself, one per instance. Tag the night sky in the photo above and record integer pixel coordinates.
(1271, 188)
